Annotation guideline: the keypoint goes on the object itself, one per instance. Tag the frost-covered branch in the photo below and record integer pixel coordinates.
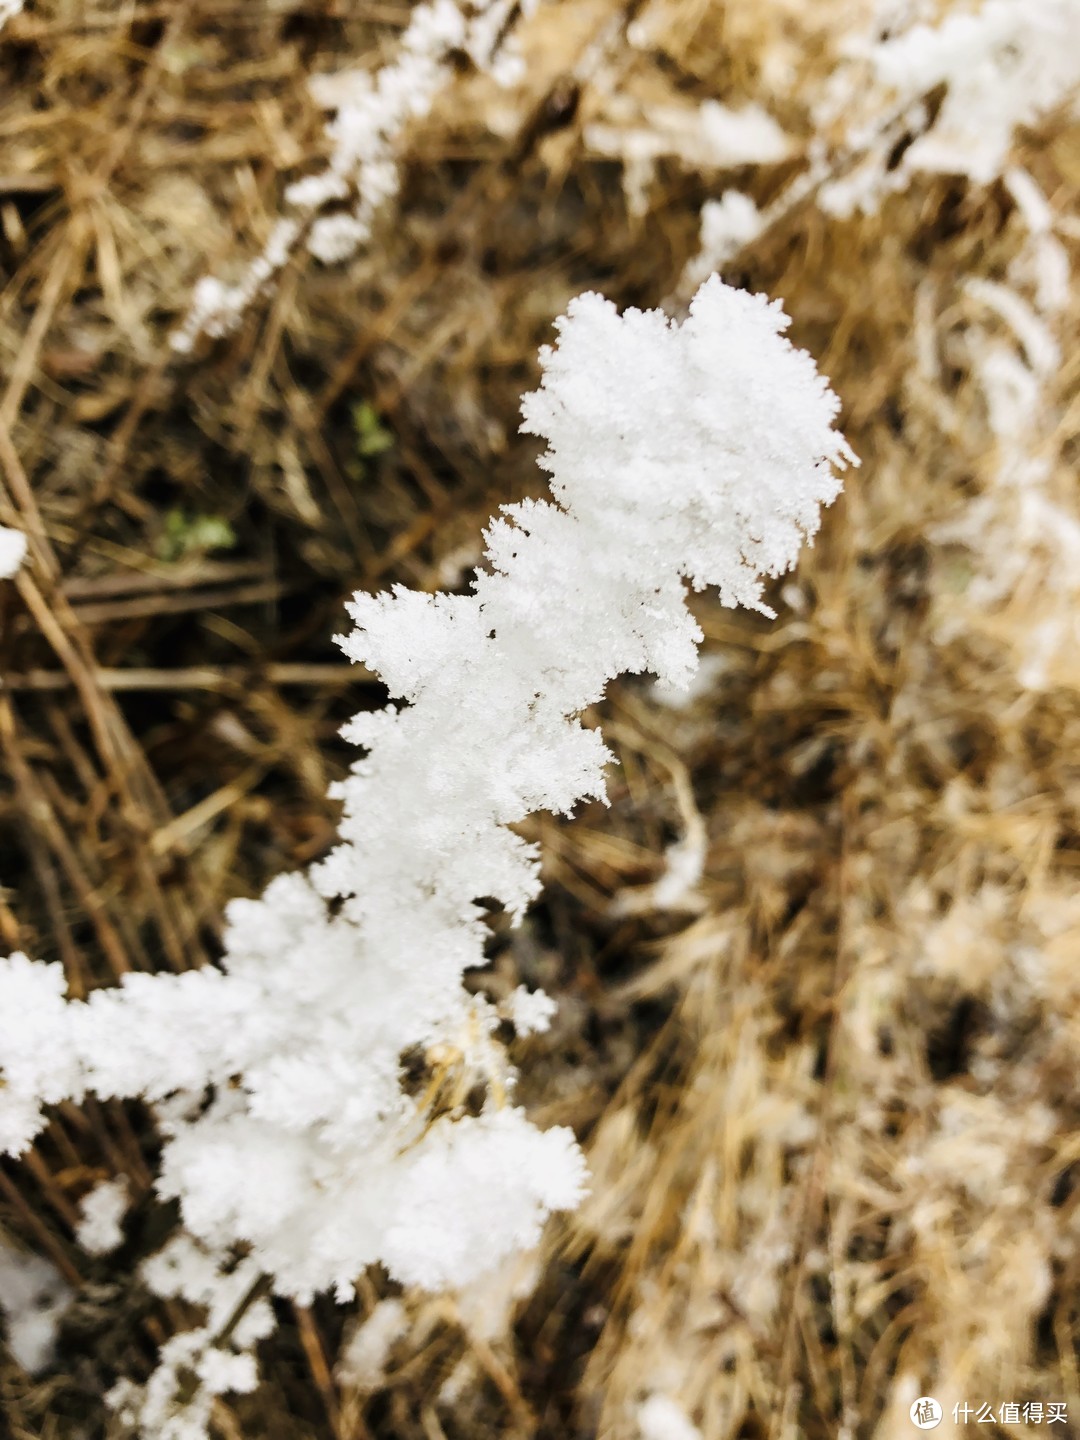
(952, 95)
(370, 114)
(1022, 539)
(699, 452)
(907, 98)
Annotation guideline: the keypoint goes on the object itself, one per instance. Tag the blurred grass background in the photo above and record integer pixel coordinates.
(829, 1096)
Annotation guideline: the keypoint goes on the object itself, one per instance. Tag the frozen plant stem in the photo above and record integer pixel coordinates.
(370, 116)
(699, 452)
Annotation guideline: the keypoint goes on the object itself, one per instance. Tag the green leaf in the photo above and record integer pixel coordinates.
(372, 436)
(186, 534)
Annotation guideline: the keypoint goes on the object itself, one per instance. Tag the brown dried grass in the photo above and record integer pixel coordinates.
(830, 1111)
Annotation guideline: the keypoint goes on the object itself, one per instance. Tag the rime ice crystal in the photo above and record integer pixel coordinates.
(12, 551)
(994, 68)
(370, 115)
(699, 452)
(33, 1298)
(102, 1211)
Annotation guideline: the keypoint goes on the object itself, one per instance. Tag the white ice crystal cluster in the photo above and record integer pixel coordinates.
(727, 225)
(12, 552)
(709, 136)
(214, 1359)
(33, 1298)
(8, 10)
(661, 1418)
(1021, 533)
(909, 96)
(946, 98)
(698, 452)
(370, 113)
(102, 1211)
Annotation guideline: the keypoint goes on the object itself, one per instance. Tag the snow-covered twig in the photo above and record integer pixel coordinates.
(370, 115)
(700, 452)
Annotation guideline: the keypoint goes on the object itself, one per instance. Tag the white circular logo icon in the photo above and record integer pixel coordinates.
(925, 1413)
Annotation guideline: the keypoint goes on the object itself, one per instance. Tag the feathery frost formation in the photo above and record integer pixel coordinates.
(1020, 533)
(992, 70)
(370, 115)
(908, 97)
(699, 452)
(33, 1298)
(12, 552)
